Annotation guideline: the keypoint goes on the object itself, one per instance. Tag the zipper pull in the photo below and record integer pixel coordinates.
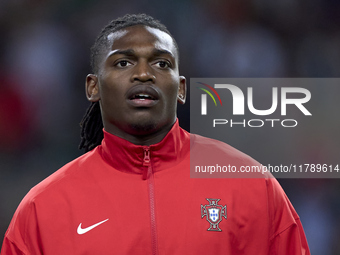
(146, 162)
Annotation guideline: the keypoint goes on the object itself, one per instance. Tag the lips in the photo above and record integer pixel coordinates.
(142, 96)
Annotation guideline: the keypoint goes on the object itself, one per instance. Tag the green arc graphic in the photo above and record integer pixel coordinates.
(208, 92)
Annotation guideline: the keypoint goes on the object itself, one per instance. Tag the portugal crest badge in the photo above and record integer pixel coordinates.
(214, 213)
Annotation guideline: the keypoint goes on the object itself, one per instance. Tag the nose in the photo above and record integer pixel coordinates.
(143, 72)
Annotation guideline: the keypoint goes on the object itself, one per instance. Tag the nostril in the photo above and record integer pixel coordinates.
(144, 77)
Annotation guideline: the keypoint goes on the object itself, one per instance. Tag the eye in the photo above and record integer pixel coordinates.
(123, 63)
(163, 64)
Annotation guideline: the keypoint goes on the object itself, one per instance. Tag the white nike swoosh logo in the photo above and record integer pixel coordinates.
(81, 231)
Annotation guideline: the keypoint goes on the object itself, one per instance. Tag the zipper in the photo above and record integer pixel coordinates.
(146, 162)
(148, 175)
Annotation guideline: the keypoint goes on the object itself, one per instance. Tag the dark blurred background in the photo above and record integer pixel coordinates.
(44, 58)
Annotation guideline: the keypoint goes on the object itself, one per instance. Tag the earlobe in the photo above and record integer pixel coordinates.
(92, 88)
(182, 90)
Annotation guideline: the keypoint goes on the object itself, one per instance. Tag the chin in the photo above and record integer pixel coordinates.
(148, 126)
(144, 127)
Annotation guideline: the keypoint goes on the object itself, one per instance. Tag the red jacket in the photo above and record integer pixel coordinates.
(122, 198)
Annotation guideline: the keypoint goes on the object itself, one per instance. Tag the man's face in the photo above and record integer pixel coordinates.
(138, 83)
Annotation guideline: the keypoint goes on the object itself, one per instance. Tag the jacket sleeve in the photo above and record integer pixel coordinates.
(287, 234)
(291, 241)
(22, 236)
(10, 248)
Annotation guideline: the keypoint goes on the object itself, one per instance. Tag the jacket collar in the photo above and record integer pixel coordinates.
(128, 157)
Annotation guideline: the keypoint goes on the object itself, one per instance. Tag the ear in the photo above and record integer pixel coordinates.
(182, 90)
(92, 88)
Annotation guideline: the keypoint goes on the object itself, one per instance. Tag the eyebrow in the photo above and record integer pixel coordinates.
(131, 52)
(158, 52)
(128, 52)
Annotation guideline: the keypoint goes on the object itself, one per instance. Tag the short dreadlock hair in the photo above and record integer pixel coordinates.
(92, 124)
(102, 42)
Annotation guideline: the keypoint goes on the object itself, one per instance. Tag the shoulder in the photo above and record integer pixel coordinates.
(51, 193)
(63, 178)
(204, 148)
(205, 142)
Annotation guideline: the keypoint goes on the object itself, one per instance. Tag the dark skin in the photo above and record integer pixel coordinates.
(138, 85)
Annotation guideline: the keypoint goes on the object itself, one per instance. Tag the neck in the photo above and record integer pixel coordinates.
(139, 137)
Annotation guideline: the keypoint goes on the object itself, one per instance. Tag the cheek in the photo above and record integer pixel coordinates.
(172, 89)
(171, 99)
(111, 92)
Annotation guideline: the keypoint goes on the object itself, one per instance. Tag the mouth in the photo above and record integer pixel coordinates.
(142, 96)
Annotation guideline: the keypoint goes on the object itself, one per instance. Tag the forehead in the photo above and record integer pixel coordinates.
(141, 37)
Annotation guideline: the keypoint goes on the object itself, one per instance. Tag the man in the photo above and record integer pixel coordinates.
(132, 192)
